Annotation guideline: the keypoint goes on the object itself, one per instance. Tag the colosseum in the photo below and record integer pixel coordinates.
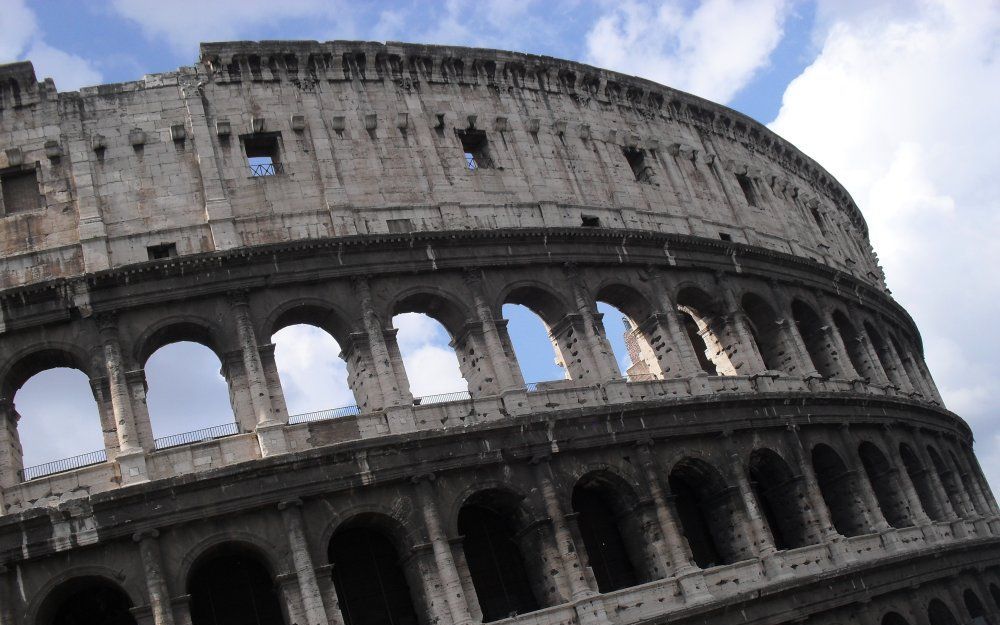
(777, 453)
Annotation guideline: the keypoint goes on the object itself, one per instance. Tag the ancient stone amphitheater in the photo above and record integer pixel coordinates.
(778, 452)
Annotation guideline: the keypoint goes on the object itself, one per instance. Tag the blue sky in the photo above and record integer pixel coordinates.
(896, 98)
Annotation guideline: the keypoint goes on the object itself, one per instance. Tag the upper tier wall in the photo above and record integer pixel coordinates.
(368, 136)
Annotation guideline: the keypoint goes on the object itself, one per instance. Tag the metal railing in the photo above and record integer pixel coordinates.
(531, 387)
(266, 169)
(66, 464)
(478, 162)
(205, 434)
(323, 415)
(441, 398)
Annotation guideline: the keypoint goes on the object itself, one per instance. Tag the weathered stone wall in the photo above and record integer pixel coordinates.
(366, 133)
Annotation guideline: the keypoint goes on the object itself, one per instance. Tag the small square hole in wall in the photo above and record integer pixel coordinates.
(19, 190)
(637, 162)
(589, 221)
(164, 250)
(399, 226)
(476, 147)
(725, 237)
(746, 184)
(263, 155)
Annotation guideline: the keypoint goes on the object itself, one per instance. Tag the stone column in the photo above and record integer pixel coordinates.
(447, 572)
(567, 550)
(252, 365)
(131, 459)
(156, 584)
(804, 364)
(503, 368)
(324, 579)
(11, 461)
(276, 393)
(393, 389)
(689, 577)
(312, 599)
(745, 353)
(606, 366)
(880, 375)
(937, 487)
(847, 369)
(138, 388)
(908, 385)
(917, 512)
(876, 518)
(99, 386)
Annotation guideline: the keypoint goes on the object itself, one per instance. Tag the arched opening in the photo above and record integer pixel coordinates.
(947, 477)
(188, 392)
(897, 377)
(702, 325)
(939, 614)
(489, 523)
(840, 491)
(60, 420)
(86, 601)
(231, 585)
(605, 521)
(532, 313)
(856, 351)
(814, 335)
(894, 618)
(370, 583)
(308, 370)
(442, 361)
(995, 594)
(638, 349)
(706, 513)
(921, 483)
(882, 477)
(782, 499)
(966, 480)
(767, 334)
(974, 606)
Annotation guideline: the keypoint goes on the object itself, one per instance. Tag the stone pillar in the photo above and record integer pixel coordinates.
(917, 512)
(324, 579)
(921, 365)
(312, 599)
(156, 584)
(972, 486)
(394, 389)
(138, 388)
(879, 374)
(938, 490)
(605, 363)
(567, 550)
(876, 519)
(474, 360)
(742, 348)
(11, 461)
(273, 380)
(908, 384)
(252, 365)
(689, 577)
(506, 377)
(804, 364)
(131, 459)
(240, 397)
(99, 386)
(447, 572)
(844, 362)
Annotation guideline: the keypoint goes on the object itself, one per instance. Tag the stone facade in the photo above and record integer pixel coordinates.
(778, 452)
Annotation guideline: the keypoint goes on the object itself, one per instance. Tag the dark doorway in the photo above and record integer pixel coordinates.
(702, 503)
(781, 498)
(87, 601)
(922, 483)
(888, 493)
(894, 618)
(840, 492)
(602, 537)
(370, 584)
(230, 586)
(939, 614)
(494, 558)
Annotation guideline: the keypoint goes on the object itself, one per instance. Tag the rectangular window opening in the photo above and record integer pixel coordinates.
(399, 226)
(589, 221)
(20, 191)
(725, 237)
(476, 148)
(164, 250)
(748, 191)
(262, 154)
(637, 162)
(818, 219)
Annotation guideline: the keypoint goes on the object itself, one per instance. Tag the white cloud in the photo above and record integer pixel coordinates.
(431, 364)
(313, 376)
(712, 51)
(23, 40)
(900, 105)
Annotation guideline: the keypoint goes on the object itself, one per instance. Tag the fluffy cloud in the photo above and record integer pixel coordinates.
(431, 364)
(900, 105)
(22, 39)
(712, 51)
(313, 376)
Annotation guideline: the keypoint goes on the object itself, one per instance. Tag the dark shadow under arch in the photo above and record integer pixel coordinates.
(370, 582)
(88, 600)
(766, 333)
(814, 335)
(939, 614)
(232, 584)
(922, 483)
(707, 519)
(604, 506)
(894, 618)
(887, 490)
(781, 498)
(974, 606)
(840, 491)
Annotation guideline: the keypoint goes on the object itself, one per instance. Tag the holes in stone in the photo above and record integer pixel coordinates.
(637, 163)
(164, 250)
(749, 193)
(589, 221)
(476, 148)
(19, 189)
(725, 237)
(263, 154)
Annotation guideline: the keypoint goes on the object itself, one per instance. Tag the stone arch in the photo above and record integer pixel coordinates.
(503, 553)
(921, 483)
(965, 478)
(36, 609)
(882, 476)
(644, 340)
(436, 304)
(86, 600)
(309, 311)
(894, 618)
(939, 614)
(816, 338)
(884, 354)
(707, 512)
(840, 491)
(856, 351)
(374, 579)
(947, 476)
(233, 582)
(704, 328)
(782, 499)
(254, 541)
(537, 297)
(612, 535)
(23, 366)
(177, 329)
(909, 358)
(765, 327)
(974, 606)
